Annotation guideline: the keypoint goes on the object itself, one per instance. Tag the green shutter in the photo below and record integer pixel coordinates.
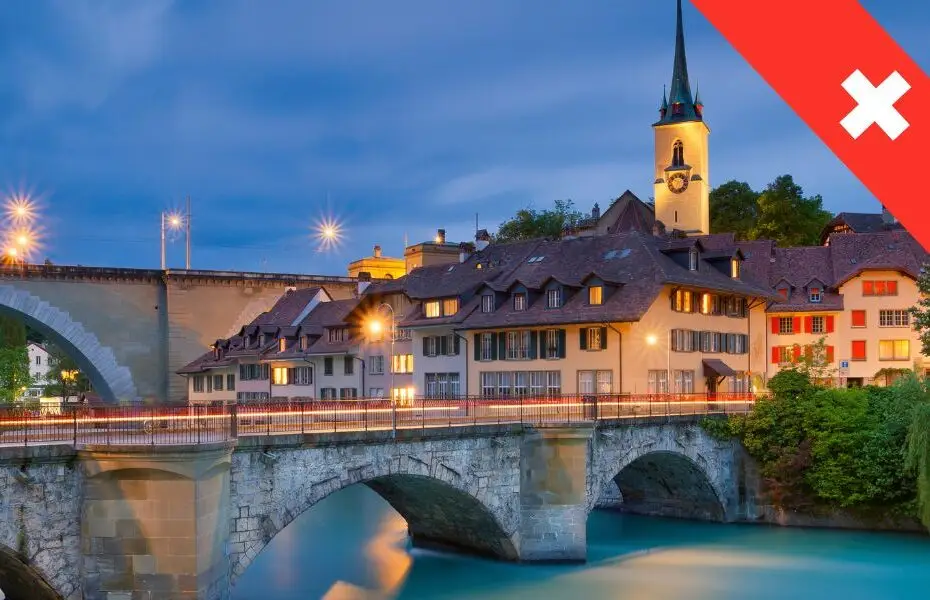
(493, 346)
(561, 343)
(425, 345)
(455, 345)
(534, 344)
(477, 348)
(583, 338)
(603, 338)
(442, 343)
(501, 345)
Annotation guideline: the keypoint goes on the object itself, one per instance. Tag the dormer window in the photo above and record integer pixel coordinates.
(303, 342)
(734, 268)
(596, 295)
(337, 334)
(431, 309)
(519, 302)
(261, 340)
(450, 306)
(487, 303)
(815, 295)
(216, 352)
(693, 260)
(554, 298)
(282, 345)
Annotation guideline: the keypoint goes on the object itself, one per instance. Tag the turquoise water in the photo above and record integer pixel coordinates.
(352, 546)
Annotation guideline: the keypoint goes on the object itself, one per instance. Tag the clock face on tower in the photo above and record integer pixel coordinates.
(677, 183)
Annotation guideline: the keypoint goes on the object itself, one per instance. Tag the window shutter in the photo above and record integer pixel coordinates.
(603, 338)
(671, 297)
(775, 355)
(774, 324)
(797, 352)
(695, 341)
(796, 328)
(501, 345)
(534, 344)
(442, 345)
(829, 323)
(808, 324)
(241, 372)
(476, 346)
(583, 338)
(425, 345)
(829, 354)
(456, 345)
(561, 343)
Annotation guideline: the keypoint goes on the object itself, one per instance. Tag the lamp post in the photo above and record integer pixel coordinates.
(376, 328)
(172, 221)
(652, 340)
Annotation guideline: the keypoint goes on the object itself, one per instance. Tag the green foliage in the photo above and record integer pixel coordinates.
(854, 449)
(12, 333)
(734, 208)
(14, 373)
(530, 224)
(64, 377)
(780, 212)
(921, 313)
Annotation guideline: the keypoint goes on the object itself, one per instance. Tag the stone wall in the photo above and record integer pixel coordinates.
(40, 537)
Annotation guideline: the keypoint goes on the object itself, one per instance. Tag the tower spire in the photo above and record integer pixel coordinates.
(681, 102)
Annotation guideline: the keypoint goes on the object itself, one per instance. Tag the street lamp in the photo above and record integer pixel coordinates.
(173, 221)
(376, 328)
(652, 340)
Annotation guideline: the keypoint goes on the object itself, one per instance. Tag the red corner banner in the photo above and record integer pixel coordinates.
(853, 86)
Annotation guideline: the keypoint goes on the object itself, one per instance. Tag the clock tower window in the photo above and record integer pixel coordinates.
(678, 154)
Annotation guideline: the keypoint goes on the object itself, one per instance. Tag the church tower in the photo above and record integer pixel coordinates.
(682, 186)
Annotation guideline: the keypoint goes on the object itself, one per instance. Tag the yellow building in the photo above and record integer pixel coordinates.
(378, 266)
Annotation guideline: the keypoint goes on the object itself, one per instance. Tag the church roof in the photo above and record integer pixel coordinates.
(682, 106)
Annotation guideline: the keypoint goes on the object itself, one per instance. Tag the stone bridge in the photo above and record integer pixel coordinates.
(184, 522)
(130, 330)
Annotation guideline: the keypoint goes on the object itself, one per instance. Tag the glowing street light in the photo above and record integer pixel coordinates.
(175, 221)
(329, 232)
(20, 208)
(376, 327)
(652, 340)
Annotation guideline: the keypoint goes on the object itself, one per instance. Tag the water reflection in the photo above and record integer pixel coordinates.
(352, 546)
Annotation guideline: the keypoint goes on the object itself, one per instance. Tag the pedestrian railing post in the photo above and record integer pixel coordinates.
(234, 421)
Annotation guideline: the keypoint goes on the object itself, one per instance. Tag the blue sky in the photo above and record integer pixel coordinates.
(394, 117)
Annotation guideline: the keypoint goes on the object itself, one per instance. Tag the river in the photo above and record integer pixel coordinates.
(352, 546)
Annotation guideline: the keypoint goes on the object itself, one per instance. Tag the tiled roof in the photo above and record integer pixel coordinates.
(860, 223)
(288, 308)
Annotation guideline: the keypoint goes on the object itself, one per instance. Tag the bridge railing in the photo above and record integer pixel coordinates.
(196, 424)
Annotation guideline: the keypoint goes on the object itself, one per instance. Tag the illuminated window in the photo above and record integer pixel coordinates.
(404, 395)
(880, 288)
(519, 302)
(858, 318)
(403, 363)
(450, 306)
(894, 350)
(596, 295)
(279, 376)
(734, 268)
(858, 350)
(894, 318)
(594, 337)
(431, 309)
(683, 301)
(282, 345)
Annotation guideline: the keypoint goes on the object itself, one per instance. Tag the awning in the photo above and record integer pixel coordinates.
(714, 367)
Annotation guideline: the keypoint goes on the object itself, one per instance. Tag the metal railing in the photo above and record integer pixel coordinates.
(196, 424)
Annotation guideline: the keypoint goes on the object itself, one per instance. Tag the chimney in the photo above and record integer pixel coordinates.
(377, 252)
(465, 250)
(482, 239)
(887, 217)
(364, 280)
(441, 236)
(596, 212)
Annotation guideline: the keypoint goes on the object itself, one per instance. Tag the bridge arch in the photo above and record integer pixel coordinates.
(673, 470)
(111, 380)
(21, 581)
(445, 506)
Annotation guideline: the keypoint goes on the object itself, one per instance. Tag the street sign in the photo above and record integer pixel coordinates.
(844, 368)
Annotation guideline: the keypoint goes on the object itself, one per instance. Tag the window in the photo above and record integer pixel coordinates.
(487, 303)
(338, 334)
(218, 383)
(596, 295)
(657, 382)
(595, 382)
(502, 384)
(303, 342)
(403, 334)
(348, 393)
(519, 302)
(376, 364)
(858, 318)
(231, 382)
(783, 293)
(282, 345)
(279, 376)
(450, 306)
(785, 325)
(783, 354)
(894, 350)
(348, 365)
(684, 382)
(198, 383)
(683, 301)
(554, 298)
(442, 385)
(734, 268)
(430, 345)
(894, 318)
(431, 309)
(815, 295)
(596, 338)
(693, 260)
(251, 372)
(376, 392)
(487, 346)
(858, 350)
(403, 363)
(517, 345)
(710, 304)
(328, 365)
(740, 383)
(880, 288)
(327, 393)
(682, 340)
(38, 359)
(300, 376)
(818, 325)
(251, 395)
(678, 149)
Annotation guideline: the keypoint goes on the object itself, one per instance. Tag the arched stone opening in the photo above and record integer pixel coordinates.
(20, 581)
(111, 381)
(667, 484)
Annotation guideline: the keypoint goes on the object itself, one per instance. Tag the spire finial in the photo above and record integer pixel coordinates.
(681, 87)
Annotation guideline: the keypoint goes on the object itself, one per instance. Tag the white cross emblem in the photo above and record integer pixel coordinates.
(876, 105)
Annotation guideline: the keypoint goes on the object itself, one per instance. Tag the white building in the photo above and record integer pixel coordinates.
(39, 369)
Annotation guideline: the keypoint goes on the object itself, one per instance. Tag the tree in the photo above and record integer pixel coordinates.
(734, 208)
(14, 373)
(786, 216)
(12, 333)
(921, 312)
(65, 379)
(530, 224)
